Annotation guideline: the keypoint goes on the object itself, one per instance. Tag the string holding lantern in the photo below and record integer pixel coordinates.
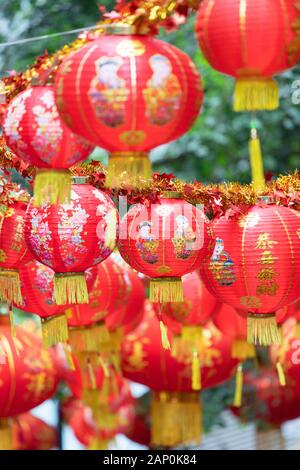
(251, 40)
(128, 93)
(165, 240)
(255, 267)
(34, 130)
(176, 408)
(70, 238)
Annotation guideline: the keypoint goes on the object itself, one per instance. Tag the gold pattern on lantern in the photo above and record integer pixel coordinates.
(163, 269)
(250, 301)
(266, 274)
(18, 235)
(130, 48)
(2, 256)
(137, 359)
(132, 138)
(264, 242)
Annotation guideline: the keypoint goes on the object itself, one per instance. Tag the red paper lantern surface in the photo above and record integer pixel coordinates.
(165, 241)
(29, 374)
(255, 267)
(230, 323)
(142, 353)
(199, 305)
(128, 94)
(13, 249)
(251, 40)
(69, 238)
(265, 400)
(35, 132)
(31, 433)
(292, 310)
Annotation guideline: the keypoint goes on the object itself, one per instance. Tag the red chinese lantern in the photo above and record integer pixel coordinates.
(128, 94)
(139, 429)
(35, 132)
(13, 249)
(175, 412)
(29, 375)
(165, 241)
(70, 238)
(291, 311)
(255, 267)
(251, 40)
(31, 433)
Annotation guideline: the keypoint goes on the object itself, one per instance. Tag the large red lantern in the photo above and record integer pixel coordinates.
(128, 94)
(251, 40)
(175, 410)
(165, 240)
(31, 433)
(36, 133)
(29, 375)
(70, 238)
(13, 249)
(255, 266)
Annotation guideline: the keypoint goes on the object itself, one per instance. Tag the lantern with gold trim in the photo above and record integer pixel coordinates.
(175, 410)
(70, 238)
(251, 40)
(128, 93)
(165, 240)
(35, 132)
(29, 375)
(255, 266)
(32, 433)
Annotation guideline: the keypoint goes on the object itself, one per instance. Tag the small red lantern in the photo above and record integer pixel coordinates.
(31, 433)
(251, 40)
(35, 132)
(29, 375)
(128, 94)
(255, 266)
(70, 238)
(13, 249)
(165, 240)
(175, 410)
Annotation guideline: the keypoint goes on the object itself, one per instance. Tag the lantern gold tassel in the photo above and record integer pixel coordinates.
(196, 372)
(280, 373)
(70, 288)
(166, 289)
(89, 338)
(237, 401)
(10, 287)
(52, 187)
(54, 330)
(5, 434)
(256, 162)
(98, 444)
(128, 168)
(263, 330)
(255, 94)
(242, 350)
(175, 419)
(12, 322)
(164, 336)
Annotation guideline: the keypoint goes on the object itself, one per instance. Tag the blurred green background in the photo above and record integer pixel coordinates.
(216, 147)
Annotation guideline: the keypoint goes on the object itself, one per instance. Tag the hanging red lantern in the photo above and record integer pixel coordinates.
(70, 238)
(13, 249)
(139, 429)
(128, 93)
(32, 433)
(255, 266)
(251, 40)
(35, 132)
(29, 375)
(175, 414)
(290, 312)
(165, 240)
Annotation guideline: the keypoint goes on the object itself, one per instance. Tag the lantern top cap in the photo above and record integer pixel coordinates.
(121, 29)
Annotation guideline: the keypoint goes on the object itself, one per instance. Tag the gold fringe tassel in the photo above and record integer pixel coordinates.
(196, 372)
(5, 434)
(98, 444)
(242, 350)
(263, 330)
(12, 322)
(256, 162)
(128, 168)
(54, 330)
(90, 338)
(281, 374)
(52, 187)
(255, 94)
(166, 289)
(10, 287)
(237, 401)
(111, 229)
(70, 288)
(175, 419)
(68, 356)
(164, 336)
